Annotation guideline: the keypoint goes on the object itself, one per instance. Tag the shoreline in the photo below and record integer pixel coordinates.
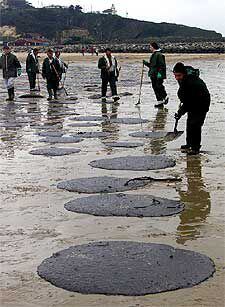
(123, 57)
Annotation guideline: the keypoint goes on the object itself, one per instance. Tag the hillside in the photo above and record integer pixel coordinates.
(50, 22)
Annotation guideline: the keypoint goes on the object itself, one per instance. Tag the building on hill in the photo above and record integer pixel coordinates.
(55, 7)
(31, 42)
(111, 11)
(33, 36)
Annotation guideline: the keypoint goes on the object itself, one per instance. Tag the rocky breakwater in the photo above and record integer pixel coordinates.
(168, 47)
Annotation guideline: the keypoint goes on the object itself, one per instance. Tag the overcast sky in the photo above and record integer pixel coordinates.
(206, 14)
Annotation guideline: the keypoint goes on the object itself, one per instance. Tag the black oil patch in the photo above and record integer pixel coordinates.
(54, 152)
(103, 184)
(51, 133)
(149, 134)
(33, 95)
(88, 118)
(80, 125)
(99, 96)
(125, 94)
(61, 102)
(63, 139)
(125, 205)
(124, 144)
(95, 96)
(68, 98)
(135, 163)
(125, 268)
(12, 125)
(45, 127)
(89, 135)
(129, 121)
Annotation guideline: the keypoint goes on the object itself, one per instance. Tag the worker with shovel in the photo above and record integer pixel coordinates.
(51, 72)
(195, 101)
(157, 74)
(11, 69)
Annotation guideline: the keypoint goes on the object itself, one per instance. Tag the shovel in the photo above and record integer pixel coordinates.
(175, 134)
(60, 82)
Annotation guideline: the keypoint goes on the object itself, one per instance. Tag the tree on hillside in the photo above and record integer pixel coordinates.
(78, 8)
(20, 4)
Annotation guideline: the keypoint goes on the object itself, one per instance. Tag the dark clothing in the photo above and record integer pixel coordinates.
(32, 65)
(109, 74)
(194, 95)
(159, 89)
(52, 85)
(9, 64)
(32, 79)
(157, 73)
(11, 94)
(195, 100)
(51, 72)
(111, 79)
(32, 69)
(157, 65)
(102, 64)
(195, 122)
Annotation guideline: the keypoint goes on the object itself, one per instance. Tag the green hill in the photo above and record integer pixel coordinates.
(50, 22)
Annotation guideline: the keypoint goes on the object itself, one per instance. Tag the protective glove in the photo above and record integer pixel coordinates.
(19, 71)
(159, 75)
(145, 63)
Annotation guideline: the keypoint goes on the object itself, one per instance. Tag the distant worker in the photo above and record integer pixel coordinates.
(83, 50)
(51, 72)
(11, 69)
(157, 74)
(195, 101)
(92, 50)
(62, 64)
(96, 51)
(109, 74)
(32, 68)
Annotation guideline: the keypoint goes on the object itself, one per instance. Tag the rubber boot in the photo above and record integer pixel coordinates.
(10, 94)
(49, 95)
(55, 94)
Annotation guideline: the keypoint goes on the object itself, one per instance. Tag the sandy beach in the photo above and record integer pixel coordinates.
(34, 222)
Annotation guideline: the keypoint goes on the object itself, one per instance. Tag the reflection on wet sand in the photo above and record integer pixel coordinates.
(11, 135)
(109, 112)
(108, 126)
(197, 202)
(158, 145)
(54, 115)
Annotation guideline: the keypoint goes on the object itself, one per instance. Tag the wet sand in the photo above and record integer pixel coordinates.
(34, 223)
(131, 57)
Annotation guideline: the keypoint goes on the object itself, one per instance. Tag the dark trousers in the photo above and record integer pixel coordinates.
(32, 79)
(195, 122)
(159, 89)
(52, 85)
(112, 82)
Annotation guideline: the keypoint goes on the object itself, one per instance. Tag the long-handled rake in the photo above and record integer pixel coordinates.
(142, 76)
